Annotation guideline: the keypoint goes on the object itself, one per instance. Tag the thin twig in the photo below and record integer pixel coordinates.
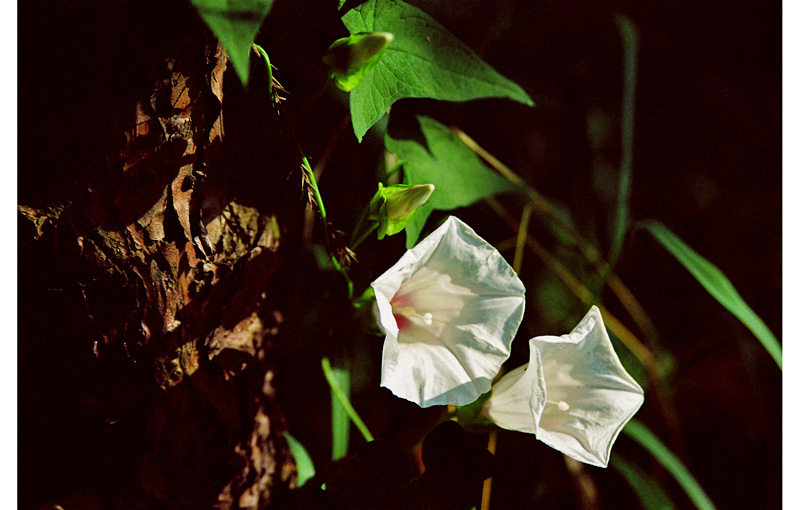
(634, 345)
(522, 236)
(486, 497)
(626, 298)
(330, 147)
(584, 484)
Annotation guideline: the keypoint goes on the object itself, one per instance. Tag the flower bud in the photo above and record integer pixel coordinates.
(350, 58)
(395, 206)
(400, 202)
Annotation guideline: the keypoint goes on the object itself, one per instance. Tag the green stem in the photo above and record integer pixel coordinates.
(394, 170)
(269, 68)
(342, 398)
(361, 234)
(321, 207)
(313, 181)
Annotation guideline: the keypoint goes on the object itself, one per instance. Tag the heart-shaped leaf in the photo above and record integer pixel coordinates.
(432, 154)
(424, 60)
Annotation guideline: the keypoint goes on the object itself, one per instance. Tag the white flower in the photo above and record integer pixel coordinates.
(574, 393)
(450, 308)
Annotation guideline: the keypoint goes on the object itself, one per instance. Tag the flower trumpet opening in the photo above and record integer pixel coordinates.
(574, 395)
(427, 300)
(450, 308)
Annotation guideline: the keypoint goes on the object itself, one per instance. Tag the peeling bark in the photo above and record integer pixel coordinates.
(173, 247)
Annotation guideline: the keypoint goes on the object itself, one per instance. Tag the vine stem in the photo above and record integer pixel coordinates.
(305, 167)
(317, 196)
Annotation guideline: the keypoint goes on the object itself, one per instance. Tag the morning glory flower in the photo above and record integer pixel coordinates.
(450, 308)
(573, 394)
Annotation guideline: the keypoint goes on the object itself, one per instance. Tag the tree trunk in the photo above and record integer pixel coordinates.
(159, 204)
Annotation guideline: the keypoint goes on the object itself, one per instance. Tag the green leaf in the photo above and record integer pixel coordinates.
(650, 493)
(718, 285)
(305, 466)
(424, 60)
(417, 223)
(235, 23)
(642, 435)
(431, 153)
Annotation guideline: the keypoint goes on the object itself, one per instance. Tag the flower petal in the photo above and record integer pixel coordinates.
(518, 399)
(460, 305)
(590, 396)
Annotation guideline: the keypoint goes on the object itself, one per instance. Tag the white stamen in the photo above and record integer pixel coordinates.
(410, 312)
(562, 406)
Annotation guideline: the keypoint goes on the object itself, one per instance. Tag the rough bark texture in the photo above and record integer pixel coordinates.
(154, 361)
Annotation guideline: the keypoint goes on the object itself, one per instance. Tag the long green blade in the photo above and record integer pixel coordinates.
(642, 435)
(340, 422)
(305, 466)
(630, 48)
(650, 493)
(342, 399)
(718, 285)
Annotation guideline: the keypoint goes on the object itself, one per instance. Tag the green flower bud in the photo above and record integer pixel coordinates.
(350, 58)
(395, 206)
(402, 201)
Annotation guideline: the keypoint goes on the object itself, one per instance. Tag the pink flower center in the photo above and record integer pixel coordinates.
(403, 313)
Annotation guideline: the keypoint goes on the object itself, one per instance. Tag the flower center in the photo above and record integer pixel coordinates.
(408, 311)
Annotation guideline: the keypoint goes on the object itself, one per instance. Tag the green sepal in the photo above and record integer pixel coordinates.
(351, 58)
(363, 314)
(471, 418)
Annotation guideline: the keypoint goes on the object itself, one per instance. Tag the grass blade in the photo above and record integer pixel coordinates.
(340, 422)
(305, 466)
(642, 435)
(649, 492)
(630, 45)
(718, 285)
(339, 430)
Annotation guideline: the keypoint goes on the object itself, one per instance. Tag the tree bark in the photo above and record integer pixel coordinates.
(150, 295)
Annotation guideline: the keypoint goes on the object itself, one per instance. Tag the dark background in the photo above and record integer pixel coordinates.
(707, 163)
